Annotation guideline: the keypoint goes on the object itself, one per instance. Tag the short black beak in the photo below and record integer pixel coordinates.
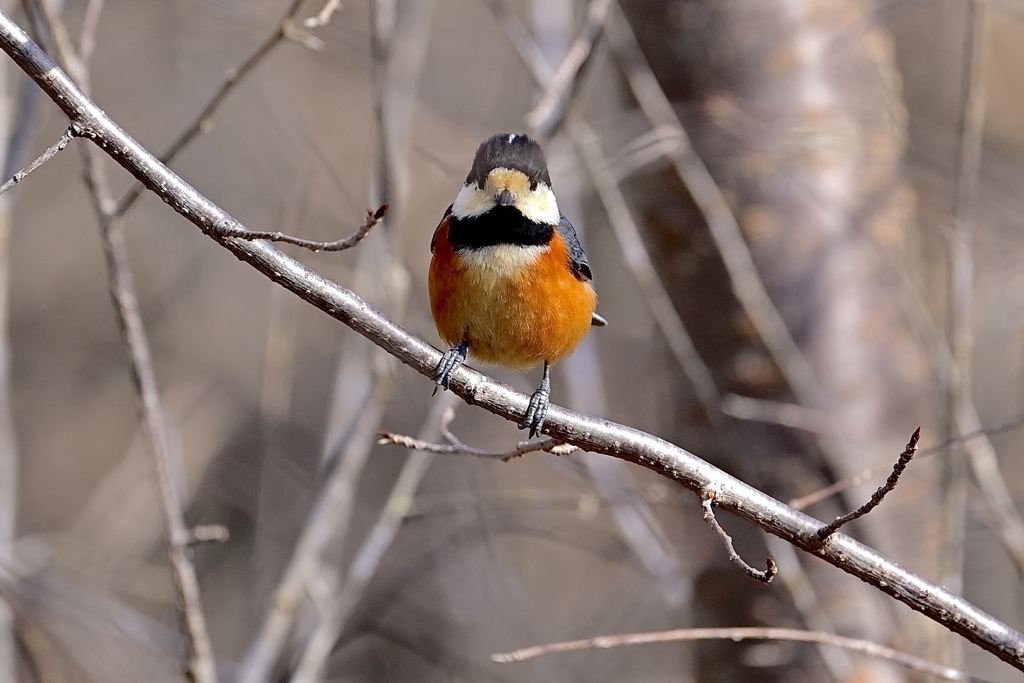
(506, 198)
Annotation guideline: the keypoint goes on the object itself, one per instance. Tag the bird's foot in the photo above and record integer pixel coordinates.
(450, 362)
(538, 408)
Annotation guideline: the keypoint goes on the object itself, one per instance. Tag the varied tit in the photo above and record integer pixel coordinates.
(509, 282)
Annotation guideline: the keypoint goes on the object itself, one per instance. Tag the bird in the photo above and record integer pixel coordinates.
(509, 282)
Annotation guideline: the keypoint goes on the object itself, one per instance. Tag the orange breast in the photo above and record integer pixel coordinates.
(517, 308)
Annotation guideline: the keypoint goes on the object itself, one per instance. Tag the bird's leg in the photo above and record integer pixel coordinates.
(538, 408)
(450, 362)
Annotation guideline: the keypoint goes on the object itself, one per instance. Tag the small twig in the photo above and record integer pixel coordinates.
(876, 498)
(550, 109)
(204, 121)
(741, 633)
(860, 477)
(372, 219)
(764, 575)
(779, 413)
(323, 17)
(90, 24)
(50, 152)
(456, 447)
(208, 533)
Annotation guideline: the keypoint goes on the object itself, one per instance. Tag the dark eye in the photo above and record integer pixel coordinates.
(533, 186)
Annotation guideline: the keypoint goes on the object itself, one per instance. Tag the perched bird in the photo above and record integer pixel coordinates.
(509, 282)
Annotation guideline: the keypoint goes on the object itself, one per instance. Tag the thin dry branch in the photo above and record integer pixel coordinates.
(550, 109)
(328, 517)
(364, 566)
(737, 634)
(764, 575)
(204, 121)
(587, 432)
(51, 151)
(746, 284)
(880, 493)
(860, 477)
(201, 666)
(372, 219)
(323, 17)
(456, 447)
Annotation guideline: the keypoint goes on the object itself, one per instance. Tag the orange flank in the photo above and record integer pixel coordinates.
(515, 307)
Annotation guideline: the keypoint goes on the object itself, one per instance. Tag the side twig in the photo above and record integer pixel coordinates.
(741, 633)
(456, 447)
(589, 433)
(51, 151)
(372, 219)
(880, 493)
(764, 575)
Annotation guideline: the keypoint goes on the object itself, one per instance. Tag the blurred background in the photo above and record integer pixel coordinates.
(803, 221)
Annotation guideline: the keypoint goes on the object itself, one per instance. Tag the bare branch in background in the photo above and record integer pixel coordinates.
(339, 605)
(862, 476)
(878, 495)
(50, 152)
(746, 284)
(323, 17)
(738, 634)
(201, 666)
(550, 109)
(778, 412)
(766, 575)
(328, 519)
(589, 433)
(638, 260)
(204, 122)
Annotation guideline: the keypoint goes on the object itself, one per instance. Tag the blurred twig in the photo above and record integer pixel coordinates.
(328, 519)
(778, 412)
(323, 17)
(337, 609)
(743, 274)
(862, 476)
(204, 121)
(201, 667)
(589, 433)
(550, 109)
(588, 147)
(737, 634)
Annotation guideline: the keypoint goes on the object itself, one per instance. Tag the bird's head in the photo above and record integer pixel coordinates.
(509, 170)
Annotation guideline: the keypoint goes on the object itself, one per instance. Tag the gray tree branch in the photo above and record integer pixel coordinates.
(589, 433)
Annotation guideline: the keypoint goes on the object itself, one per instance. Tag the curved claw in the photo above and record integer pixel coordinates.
(450, 362)
(538, 408)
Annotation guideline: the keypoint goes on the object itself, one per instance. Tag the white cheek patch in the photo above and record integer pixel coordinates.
(472, 201)
(499, 262)
(539, 206)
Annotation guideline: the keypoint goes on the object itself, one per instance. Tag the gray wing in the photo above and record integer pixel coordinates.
(577, 257)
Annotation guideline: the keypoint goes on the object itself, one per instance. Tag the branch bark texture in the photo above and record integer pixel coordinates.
(589, 433)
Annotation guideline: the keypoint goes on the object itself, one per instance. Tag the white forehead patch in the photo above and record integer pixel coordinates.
(511, 138)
